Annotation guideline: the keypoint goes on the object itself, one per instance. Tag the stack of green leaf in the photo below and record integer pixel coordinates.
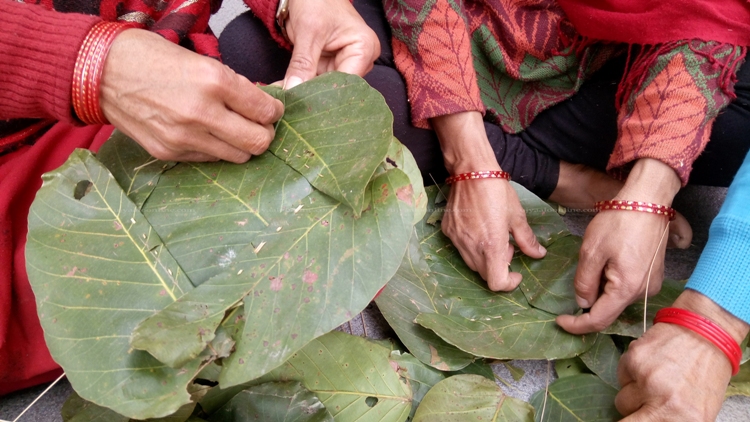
(188, 292)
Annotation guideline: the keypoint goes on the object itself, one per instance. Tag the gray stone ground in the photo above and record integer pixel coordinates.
(698, 204)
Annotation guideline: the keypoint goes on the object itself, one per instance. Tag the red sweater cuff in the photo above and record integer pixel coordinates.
(265, 10)
(38, 48)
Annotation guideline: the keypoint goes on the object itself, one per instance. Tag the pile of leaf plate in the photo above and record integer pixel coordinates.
(208, 292)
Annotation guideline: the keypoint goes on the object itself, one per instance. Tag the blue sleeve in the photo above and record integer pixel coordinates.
(723, 270)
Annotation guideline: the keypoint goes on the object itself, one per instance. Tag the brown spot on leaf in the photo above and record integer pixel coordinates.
(72, 272)
(436, 360)
(275, 284)
(405, 194)
(309, 277)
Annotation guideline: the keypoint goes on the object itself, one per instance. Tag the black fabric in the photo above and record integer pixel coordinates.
(580, 130)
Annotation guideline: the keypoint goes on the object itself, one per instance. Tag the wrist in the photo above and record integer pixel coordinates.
(651, 180)
(464, 143)
(696, 302)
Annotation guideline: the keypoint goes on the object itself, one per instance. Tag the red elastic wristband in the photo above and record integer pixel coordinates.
(620, 205)
(486, 174)
(706, 328)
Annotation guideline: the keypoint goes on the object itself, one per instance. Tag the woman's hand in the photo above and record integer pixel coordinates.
(481, 213)
(182, 106)
(619, 248)
(328, 35)
(674, 374)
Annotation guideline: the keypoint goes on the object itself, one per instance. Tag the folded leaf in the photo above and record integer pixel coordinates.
(335, 131)
(353, 377)
(135, 170)
(530, 334)
(548, 282)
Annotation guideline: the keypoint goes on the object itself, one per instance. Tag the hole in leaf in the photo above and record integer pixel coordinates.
(391, 162)
(82, 189)
(371, 401)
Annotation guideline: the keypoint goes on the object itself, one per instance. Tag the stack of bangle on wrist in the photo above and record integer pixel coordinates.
(618, 205)
(486, 174)
(706, 328)
(88, 71)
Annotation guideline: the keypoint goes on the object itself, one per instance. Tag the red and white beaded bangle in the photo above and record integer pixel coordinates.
(87, 73)
(636, 206)
(487, 174)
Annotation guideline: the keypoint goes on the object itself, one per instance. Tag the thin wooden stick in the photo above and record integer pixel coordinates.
(145, 164)
(648, 278)
(39, 397)
(546, 392)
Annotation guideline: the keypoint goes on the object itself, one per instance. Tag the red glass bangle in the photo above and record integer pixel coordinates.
(636, 206)
(487, 174)
(88, 70)
(706, 328)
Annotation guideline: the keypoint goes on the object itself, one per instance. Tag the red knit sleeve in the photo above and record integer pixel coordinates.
(669, 117)
(432, 50)
(38, 49)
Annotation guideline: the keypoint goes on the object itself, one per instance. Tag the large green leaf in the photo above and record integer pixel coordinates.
(336, 130)
(630, 321)
(576, 398)
(322, 267)
(548, 282)
(602, 359)
(353, 378)
(98, 269)
(531, 334)
(471, 398)
(411, 291)
(135, 170)
(546, 223)
(273, 402)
